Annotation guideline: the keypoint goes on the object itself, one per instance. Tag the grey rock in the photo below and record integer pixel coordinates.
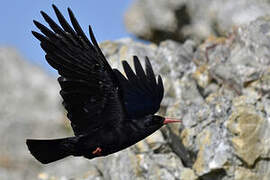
(30, 108)
(229, 130)
(156, 20)
(180, 19)
(222, 94)
(220, 91)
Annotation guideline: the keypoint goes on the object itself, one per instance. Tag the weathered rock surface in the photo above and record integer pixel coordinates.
(221, 91)
(230, 129)
(158, 20)
(30, 108)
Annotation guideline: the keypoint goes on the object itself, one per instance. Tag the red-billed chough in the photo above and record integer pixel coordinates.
(108, 111)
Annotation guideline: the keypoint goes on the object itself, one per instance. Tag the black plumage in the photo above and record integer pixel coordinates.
(108, 112)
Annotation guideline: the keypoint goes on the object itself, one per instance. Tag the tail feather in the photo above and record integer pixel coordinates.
(47, 151)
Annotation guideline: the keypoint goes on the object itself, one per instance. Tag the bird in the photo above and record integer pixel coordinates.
(108, 111)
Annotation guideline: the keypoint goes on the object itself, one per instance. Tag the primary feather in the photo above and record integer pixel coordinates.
(142, 95)
(87, 81)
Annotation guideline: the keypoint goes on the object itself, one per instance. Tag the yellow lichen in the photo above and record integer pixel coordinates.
(205, 140)
(246, 125)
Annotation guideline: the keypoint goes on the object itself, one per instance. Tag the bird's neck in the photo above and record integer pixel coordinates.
(133, 132)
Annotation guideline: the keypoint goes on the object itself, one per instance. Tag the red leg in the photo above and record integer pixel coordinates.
(97, 151)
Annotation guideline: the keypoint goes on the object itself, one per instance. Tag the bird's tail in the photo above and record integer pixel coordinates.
(47, 151)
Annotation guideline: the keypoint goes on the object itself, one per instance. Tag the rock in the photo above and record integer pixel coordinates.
(242, 173)
(219, 90)
(188, 174)
(147, 159)
(228, 130)
(247, 126)
(221, 93)
(158, 20)
(30, 108)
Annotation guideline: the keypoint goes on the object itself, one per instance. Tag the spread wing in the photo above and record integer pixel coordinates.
(89, 87)
(142, 94)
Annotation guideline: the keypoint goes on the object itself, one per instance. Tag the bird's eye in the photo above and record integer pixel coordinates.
(148, 123)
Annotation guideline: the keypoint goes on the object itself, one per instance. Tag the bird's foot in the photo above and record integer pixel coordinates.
(97, 151)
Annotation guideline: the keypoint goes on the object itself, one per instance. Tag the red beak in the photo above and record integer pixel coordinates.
(170, 120)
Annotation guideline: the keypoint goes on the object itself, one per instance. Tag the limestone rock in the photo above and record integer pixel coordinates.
(30, 108)
(158, 20)
(229, 129)
(221, 92)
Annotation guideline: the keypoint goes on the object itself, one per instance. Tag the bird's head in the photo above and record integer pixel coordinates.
(153, 122)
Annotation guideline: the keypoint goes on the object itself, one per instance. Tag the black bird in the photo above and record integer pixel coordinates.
(108, 112)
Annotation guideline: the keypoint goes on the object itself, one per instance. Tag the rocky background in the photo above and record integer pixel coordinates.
(214, 58)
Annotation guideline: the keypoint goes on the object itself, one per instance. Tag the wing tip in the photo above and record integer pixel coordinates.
(148, 64)
(71, 14)
(147, 59)
(92, 36)
(55, 7)
(36, 34)
(57, 12)
(69, 10)
(124, 62)
(36, 23)
(135, 57)
(136, 60)
(44, 15)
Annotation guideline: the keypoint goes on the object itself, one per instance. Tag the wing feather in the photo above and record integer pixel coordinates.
(63, 21)
(141, 93)
(139, 70)
(88, 85)
(77, 27)
(94, 94)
